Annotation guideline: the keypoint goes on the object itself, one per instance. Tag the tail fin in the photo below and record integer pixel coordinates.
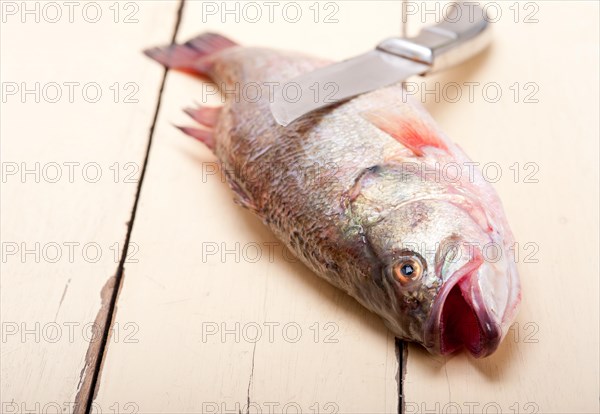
(192, 56)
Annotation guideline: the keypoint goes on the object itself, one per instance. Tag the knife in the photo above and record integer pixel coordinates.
(435, 48)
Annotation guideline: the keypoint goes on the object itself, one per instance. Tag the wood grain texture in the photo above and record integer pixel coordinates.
(210, 276)
(82, 136)
(549, 360)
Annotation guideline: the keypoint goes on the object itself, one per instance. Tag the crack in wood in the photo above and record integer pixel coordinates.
(87, 388)
(250, 380)
(62, 298)
(93, 356)
(402, 347)
(402, 355)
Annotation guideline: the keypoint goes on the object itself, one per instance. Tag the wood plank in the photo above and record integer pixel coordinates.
(549, 361)
(176, 295)
(63, 225)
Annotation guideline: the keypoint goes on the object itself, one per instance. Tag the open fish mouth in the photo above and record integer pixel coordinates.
(459, 318)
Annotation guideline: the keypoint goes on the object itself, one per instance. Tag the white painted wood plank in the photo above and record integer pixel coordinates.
(51, 295)
(174, 293)
(549, 361)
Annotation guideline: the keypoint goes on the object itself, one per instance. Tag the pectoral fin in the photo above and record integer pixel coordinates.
(406, 128)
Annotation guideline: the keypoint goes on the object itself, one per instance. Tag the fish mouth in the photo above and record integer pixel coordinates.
(459, 318)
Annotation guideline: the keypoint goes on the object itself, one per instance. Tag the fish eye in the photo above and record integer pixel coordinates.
(407, 270)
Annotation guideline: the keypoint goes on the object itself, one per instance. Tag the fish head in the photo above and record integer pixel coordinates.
(445, 278)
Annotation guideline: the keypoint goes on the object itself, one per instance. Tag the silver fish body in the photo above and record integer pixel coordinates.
(358, 192)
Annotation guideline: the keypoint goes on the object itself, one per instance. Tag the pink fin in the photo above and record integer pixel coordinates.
(204, 115)
(405, 128)
(203, 135)
(194, 55)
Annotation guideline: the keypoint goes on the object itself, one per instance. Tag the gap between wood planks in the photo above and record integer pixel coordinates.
(90, 374)
(402, 347)
(94, 358)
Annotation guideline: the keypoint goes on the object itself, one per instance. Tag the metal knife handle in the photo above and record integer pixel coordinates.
(446, 44)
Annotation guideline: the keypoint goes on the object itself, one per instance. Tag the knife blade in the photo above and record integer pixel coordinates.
(435, 48)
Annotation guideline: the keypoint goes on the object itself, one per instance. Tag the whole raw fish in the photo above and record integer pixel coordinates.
(370, 194)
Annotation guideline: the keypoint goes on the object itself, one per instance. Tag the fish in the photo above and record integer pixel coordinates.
(369, 193)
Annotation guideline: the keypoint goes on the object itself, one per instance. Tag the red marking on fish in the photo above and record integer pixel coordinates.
(405, 129)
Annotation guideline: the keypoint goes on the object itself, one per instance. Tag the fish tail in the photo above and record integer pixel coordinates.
(195, 56)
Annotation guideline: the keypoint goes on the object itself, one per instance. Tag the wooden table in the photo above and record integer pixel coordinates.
(132, 283)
